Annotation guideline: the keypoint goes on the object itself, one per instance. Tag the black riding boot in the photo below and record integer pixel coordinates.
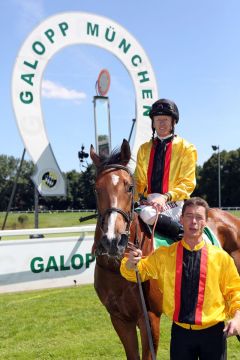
(168, 227)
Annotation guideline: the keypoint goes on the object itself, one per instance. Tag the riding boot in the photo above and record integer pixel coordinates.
(168, 227)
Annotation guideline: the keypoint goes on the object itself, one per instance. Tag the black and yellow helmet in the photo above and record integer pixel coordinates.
(164, 107)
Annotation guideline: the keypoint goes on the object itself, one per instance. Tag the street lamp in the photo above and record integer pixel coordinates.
(217, 147)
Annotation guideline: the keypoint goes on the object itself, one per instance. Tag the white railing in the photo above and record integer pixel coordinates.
(62, 258)
(40, 211)
(60, 230)
(230, 208)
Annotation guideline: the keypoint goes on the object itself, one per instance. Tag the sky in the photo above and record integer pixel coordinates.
(194, 50)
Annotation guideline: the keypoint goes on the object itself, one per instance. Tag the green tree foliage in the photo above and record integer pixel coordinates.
(88, 199)
(24, 193)
(80, 186)
(207, 179)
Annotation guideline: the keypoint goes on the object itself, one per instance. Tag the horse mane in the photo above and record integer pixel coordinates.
(113, 158)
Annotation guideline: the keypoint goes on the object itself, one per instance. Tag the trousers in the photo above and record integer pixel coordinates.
(206, 344)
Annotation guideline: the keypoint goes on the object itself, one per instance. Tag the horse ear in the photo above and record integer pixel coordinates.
(125, 152)
(94, 156)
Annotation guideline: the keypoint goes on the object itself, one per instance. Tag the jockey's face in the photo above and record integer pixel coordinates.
(193, 220)
(163, 125)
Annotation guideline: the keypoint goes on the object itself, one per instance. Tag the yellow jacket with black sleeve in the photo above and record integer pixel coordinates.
(200, 287)
(179, 169)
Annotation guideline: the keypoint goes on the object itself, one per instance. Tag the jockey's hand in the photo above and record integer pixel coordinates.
(232, 327)
(134, 256)
(159, 202)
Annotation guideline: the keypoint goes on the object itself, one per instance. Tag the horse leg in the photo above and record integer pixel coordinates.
(128, 335)
(155, 330)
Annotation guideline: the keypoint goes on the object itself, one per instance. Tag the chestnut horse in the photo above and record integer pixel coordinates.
(117, 225)
(227, 229)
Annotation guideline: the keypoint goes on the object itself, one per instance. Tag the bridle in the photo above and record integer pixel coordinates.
(128, 216)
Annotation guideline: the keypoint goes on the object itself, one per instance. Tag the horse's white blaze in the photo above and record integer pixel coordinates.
(112, 220)
(115, 179)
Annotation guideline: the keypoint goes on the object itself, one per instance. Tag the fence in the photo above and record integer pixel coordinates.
(52, 257)
(230, 208)
(40, 211)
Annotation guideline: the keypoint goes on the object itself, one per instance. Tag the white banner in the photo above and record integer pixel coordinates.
(47, 39)
(45, 263)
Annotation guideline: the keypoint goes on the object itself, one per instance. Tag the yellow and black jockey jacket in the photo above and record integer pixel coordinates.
(200, 287)
(178, 171)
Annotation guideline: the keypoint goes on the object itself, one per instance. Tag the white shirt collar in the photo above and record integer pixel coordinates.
(164, 138)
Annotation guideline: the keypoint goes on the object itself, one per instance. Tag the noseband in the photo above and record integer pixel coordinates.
(128, 216)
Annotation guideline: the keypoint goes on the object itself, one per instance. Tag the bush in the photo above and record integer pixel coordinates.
(23, 219)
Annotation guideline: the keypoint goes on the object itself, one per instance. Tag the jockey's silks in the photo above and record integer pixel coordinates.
(200, 287)
(159, 166)
(191, 271)
(178, 171)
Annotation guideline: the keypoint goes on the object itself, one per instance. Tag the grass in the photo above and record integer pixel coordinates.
(53, 219)
(67, 324)
(46, 220)
(235, 213)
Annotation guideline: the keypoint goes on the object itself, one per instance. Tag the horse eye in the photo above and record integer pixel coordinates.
(130, 189)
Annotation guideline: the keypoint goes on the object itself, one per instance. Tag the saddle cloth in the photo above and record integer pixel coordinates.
(208, 236)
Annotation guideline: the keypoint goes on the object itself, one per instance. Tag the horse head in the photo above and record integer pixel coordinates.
(114, 193)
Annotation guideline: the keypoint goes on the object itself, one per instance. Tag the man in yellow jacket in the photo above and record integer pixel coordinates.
(165, 170)
(200, 286)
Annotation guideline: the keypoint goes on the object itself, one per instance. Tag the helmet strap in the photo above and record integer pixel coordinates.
(173, 125)
(153, 133)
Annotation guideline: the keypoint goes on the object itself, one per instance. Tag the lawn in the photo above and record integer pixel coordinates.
(66, 324)
(46, 220)
(51, 219)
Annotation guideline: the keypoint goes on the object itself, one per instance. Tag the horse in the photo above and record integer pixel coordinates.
(117, 226)
(226, 227)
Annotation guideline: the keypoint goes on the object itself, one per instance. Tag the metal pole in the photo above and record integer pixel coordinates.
(133, 124)
(36, 213)
(95, 123)
(109, 126)
(36, 207)
(219, 178)
(13, 190)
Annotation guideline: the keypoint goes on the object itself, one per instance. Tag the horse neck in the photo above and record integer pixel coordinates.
(139, 237)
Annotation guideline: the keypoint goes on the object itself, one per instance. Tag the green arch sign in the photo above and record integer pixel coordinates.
(49, 37)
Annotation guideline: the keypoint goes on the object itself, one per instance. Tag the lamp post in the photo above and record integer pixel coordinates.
(217, 147)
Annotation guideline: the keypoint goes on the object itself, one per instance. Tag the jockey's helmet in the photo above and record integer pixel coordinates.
(164, 107)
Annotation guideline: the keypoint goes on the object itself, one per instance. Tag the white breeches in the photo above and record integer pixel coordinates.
(148, 214)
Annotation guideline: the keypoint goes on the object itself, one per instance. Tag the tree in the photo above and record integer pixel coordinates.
(24, 192)
(207, 179)
(87, 188)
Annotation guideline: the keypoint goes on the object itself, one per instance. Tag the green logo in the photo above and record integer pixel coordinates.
(76, 262)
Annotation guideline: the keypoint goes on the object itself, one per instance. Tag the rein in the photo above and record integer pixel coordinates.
(145, 313)
(144, 202)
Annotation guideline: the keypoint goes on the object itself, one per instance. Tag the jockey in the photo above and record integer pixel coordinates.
(165, 171)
